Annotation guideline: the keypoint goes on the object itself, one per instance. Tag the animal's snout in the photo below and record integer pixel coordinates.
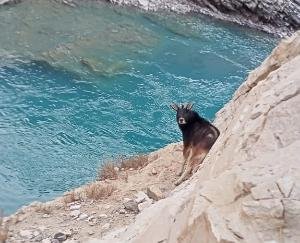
(181, 120)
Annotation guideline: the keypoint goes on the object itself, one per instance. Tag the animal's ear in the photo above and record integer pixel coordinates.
(189, 106)
(174, 106)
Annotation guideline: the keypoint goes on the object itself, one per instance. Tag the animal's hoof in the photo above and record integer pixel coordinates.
(176, 183)
(179, 173)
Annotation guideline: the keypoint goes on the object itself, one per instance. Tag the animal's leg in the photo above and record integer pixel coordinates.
(187, 170)
(198, 162)
(186, 154)
(185, 174)
(182, 168)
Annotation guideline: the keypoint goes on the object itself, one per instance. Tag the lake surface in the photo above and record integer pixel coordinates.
(82, 85)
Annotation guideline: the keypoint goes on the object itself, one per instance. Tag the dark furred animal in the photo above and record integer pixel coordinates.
(198, 135)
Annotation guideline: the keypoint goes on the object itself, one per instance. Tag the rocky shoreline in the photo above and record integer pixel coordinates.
(278, 17)
(100, 207)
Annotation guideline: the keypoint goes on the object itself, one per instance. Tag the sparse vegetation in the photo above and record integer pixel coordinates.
(99, 190)
(3, 229)
(134, 162)
(69, 197)
(107, 171)
(110, 169)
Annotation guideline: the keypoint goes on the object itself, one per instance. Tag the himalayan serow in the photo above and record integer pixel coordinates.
(198, 135)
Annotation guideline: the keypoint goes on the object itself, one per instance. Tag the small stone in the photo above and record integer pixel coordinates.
(21, 218)
(145, 204)
(36, 233)
(103, 215)
(153, 171)
(75, 213)
(83, 216)
(126, 199)
(141, 197)
(68, 232)
(122, 211)
(46, 216)
(91, 232)
(90, 218)
(107, 206)
(131, 206)
(38, 238)
(26, 234)
(60, 236)
(42, 228)
(154, 193)
(106, 226)
(92, 221)
(75, 207)
(116, 169)
(131, 169)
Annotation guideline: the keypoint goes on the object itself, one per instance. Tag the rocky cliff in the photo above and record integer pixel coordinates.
(274, 16)
(248, 189)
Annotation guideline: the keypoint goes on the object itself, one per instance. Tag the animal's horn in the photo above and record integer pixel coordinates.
(174, 106)
(189, 106)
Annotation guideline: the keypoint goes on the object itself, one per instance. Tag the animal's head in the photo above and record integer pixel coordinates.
(184, 115)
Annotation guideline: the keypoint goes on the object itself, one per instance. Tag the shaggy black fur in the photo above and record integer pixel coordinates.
(195, 129)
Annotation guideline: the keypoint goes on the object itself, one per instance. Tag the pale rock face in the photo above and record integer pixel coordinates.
(248, 189)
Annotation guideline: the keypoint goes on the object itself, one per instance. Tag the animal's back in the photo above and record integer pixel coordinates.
(204, 134)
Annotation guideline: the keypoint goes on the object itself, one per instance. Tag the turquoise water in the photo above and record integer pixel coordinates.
(82, 85)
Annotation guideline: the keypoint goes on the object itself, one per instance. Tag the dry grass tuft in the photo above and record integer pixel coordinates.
(98, 190)
(107, 171)
(69, 197)
(3, 230)
(44, 208)
(135, 162)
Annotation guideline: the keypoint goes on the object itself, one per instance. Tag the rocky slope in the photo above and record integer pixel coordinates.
(274, 16)
(249, 187)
